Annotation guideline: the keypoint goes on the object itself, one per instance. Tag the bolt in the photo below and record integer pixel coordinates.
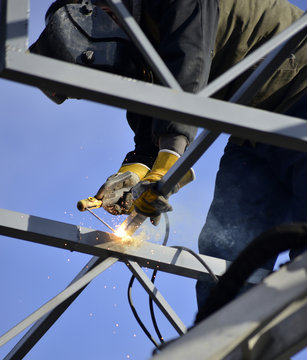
(88, 57)
(85, 10)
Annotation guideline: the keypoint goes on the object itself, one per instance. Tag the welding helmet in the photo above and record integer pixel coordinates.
(81, 32)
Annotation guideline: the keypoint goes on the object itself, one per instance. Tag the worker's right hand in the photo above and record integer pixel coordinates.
(115, 193)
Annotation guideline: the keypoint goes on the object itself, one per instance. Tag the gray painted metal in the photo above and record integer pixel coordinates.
(242, 96)
(283, 337)
(98, 243)
(187, 160)
(17, 16)
(228, 331)
(258, 78)
(33, 335)
(145, 98)
(215, 115)
(154, 293)
(57, 300)
(13, 69)
(143, 44)
(253, 58)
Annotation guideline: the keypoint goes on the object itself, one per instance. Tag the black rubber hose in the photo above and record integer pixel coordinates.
(266, 246)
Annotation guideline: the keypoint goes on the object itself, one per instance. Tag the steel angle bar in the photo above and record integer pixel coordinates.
(236, 323)
(156, 296)
(14, 18)
(3, 12)
(186, 161)
(283, 337)
(254, 57)
(242, 96)
(98, 243)
(57, 300)
(270, 64)
(143, 44)
(35, 333)
(144, 98)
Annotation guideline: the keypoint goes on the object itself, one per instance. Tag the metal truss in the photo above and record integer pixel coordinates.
(107, 249)
(268, 322)
(168, 102)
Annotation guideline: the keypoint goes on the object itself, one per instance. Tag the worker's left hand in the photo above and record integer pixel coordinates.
(148, 202)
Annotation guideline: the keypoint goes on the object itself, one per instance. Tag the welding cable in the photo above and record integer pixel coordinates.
(265, 247)
(206, 266)
(153, 278)
(132, 307)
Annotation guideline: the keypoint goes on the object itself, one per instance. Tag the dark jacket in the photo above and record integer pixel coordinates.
(201, 39)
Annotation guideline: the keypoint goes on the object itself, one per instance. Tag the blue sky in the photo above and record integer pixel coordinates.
(52, 156)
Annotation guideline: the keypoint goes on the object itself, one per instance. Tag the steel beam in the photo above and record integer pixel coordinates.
(254, 57)
(33, 335)
(215, 115)
(156, 296)
(283, 337)
(143, 44)
(226, 333)
(99, 243)
(57, 300)
(242, 96)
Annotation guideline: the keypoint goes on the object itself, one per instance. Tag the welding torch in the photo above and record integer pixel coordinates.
(166, 184)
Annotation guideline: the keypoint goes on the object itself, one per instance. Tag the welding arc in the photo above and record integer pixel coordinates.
(97, 217)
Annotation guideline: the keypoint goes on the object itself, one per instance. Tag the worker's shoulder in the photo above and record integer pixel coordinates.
(256, 12)
(249, 23)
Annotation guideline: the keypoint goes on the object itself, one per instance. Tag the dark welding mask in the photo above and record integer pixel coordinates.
(85, 33)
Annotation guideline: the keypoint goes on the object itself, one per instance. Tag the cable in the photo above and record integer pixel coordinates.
(147, 333)
(206, 266)
(265, 247)
(153, 278)
(153, 318)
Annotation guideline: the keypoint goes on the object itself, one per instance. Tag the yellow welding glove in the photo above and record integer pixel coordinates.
(146, 200)
(115, 192)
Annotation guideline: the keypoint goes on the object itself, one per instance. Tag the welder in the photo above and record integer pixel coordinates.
(258, 185)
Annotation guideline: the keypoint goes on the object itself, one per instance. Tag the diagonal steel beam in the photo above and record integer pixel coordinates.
(154, 293)
(242, 96)
(281, 295)
(34, 334)
(57, 300)
(256, 56)
(143, 44)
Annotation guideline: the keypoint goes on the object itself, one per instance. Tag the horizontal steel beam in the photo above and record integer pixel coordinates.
(144, 98)
(227, 332)
(99, 243)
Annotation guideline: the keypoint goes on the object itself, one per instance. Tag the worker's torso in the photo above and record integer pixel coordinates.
(243, 26)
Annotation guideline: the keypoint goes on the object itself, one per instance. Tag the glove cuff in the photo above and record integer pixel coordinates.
(164, 161)
(137, 168)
